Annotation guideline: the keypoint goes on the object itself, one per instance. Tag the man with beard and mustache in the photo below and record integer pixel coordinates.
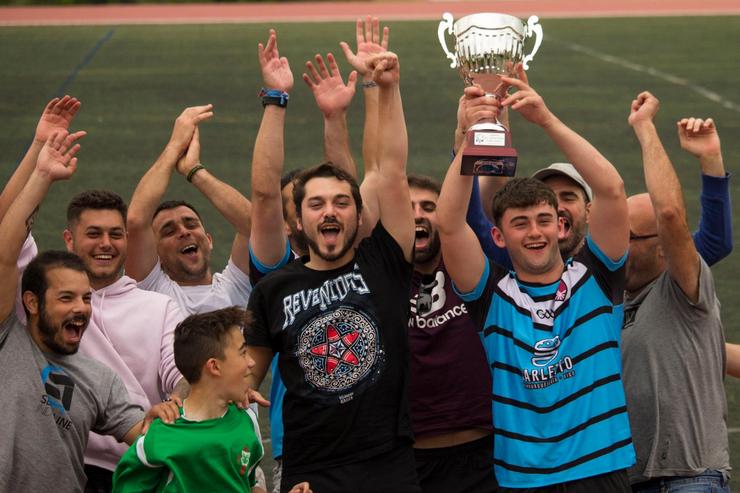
(335, 321)
(169, 248)
(47, 420)
(137, 343)
(450, 384)
(275, 242)
(673, 341)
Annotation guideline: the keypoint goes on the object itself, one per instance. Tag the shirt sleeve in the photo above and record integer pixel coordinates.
(156, 280)
(481, 226)
(135, 472)
(380, 248)
(609, 274)
(236, 284)
(29, 250)
(258, 270)
(258, 333)
(707, 295)
(713, 239)
(478, 300)
(117, 414)
(169, 375)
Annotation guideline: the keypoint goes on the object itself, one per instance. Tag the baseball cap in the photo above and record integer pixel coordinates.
(567, 170)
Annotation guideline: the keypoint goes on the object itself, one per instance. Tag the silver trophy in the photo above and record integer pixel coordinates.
(487, 46)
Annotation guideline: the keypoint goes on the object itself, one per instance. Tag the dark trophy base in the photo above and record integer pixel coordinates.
(489, 153)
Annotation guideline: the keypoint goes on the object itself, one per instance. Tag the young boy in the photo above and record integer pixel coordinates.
(213, 445)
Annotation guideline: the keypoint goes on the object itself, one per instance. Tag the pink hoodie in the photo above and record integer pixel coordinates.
(132, 332)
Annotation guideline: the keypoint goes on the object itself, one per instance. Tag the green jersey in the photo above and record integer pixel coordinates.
(198, 456)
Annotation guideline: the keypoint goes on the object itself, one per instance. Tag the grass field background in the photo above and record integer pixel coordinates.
(134, 80)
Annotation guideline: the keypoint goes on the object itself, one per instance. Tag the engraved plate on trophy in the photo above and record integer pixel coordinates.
(487, 46)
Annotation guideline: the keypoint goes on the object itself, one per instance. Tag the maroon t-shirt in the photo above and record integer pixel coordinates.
(450, 378)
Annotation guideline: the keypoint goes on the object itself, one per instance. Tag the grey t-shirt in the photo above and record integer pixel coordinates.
(50, 403)
(673, 355)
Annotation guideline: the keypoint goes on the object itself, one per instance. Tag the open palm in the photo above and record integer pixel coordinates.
(57, 158)
(57, 115)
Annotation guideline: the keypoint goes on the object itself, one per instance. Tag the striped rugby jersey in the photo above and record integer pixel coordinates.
(559, 411)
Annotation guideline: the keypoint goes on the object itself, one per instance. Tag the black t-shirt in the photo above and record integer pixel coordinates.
(343, 353)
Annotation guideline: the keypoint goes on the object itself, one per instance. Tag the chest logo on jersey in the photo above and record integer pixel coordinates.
(338, 350)
(548, 371)
(331, 291)
(57, 400)
(244, 460)
(562, 293)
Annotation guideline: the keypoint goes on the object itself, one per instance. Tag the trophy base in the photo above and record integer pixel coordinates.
(488, 153)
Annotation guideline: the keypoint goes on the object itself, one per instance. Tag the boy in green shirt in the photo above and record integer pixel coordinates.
(213, 445)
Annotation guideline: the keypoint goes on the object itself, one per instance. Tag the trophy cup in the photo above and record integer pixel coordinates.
(488, 46)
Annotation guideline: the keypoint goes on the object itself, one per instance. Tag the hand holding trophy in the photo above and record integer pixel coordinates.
(487, 47)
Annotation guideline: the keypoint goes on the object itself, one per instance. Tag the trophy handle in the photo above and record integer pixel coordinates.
(446, 24)
(533, 27)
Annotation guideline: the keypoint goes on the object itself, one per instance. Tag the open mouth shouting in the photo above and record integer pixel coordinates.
(329, 230)
(190, 250)
(73, 328)
(567, 225)
(422, 235)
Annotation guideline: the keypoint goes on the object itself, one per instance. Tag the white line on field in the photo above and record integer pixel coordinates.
(673, 79)
(733, 430)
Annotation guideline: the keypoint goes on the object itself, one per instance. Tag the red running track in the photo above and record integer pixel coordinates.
(341, 11)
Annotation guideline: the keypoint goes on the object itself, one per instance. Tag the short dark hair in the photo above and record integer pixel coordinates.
(288, 177)
(424, 182)
(203, 336)
(172, 204)
(97, 200)
(522, 193)
(34, 277)
(286, 180)
(324, 170)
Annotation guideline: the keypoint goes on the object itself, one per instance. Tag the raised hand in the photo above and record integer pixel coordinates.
(57, 159)
(57, 115)
(276, 72)
(186, 124)
(643, 109)
(526, 101)
(191, 158)
(385, 68)
(369, 44)
(699, 137)
(331, 93)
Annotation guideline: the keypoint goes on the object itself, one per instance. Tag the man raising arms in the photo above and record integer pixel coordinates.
(551, 329)
(169, 248)
(337, 325)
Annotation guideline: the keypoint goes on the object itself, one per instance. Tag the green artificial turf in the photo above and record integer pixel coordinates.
(141, 77)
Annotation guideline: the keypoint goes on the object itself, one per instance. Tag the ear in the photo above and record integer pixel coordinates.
(213, 367)
(299, 224)
(498, 237)
(588, 211)
(68, 240)
(31, 302)
(210, 239)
